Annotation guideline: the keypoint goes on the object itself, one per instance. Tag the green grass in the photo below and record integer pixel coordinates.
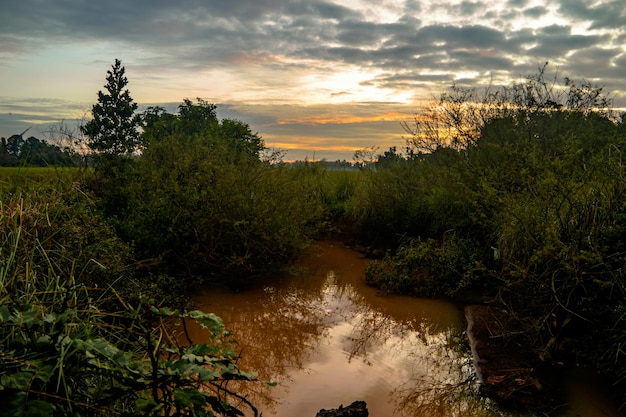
(14, 179)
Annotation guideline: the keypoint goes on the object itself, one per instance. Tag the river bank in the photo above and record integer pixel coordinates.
(507, 373)
(516, 379)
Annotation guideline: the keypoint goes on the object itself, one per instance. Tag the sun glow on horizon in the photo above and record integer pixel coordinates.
(334, 118)
(349, 85)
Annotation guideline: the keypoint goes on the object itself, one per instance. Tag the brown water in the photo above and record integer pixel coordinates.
(328, 339)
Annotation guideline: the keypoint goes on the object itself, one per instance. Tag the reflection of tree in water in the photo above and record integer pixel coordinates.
(443, 383)
(379, 329)
(280, 329)
(374, 329)
(276, 330)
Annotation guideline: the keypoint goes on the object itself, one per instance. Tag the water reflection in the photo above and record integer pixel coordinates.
(327, 339)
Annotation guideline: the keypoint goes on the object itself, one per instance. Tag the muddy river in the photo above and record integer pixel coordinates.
(328, 339)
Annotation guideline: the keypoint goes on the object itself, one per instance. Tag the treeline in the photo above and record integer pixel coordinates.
(17, 151)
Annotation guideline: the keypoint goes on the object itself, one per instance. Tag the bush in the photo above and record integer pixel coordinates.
(430, 268)
(204, 215)
(71, 344)
(62, 220)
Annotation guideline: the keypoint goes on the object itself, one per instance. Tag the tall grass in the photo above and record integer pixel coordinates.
(80, 336)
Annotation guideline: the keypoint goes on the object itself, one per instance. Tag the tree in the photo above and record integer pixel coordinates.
(457, 119)
(231, 138)
(366, 157)
(113, 129)
(14, 145)
(205, 202)
(389, 158)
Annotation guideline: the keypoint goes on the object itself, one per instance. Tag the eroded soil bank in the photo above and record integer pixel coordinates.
(516, 379)
(506, 372)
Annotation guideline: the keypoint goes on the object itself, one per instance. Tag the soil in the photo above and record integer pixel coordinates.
(508, 373)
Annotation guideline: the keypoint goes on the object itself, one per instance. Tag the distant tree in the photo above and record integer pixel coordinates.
(389, 158)
(6, 159)
(14, 145)
(34, 152)
(366, 157)
(114, 127)
(70, 139)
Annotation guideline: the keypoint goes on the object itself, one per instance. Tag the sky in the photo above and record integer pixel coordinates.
(318, 79)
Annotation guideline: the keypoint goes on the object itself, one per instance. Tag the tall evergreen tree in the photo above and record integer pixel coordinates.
(113, 129)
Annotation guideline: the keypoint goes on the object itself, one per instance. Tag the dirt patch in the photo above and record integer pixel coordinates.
(508, 372)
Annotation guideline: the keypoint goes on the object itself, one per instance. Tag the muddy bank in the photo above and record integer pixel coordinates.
(507, 372)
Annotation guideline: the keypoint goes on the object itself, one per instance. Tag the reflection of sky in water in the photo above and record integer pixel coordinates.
(329, 340)
(365, 354)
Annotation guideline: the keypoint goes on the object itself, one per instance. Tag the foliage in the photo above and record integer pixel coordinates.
(429, 268)
(72, 345)
(365, 158)
(530, 181)
(231, 137)
(113, 129)
(197, 200)
(413, 197)
(326, 183)
(19, 179)
(200, 202)
(456, 120)
(55, 215)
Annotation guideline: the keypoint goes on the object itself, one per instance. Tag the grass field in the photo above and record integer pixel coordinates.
(26, 178)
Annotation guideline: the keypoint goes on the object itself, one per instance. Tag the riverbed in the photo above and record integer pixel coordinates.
(325, 338)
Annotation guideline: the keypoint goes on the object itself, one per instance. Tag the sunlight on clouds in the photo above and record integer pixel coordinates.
(314, 144)
(338, 118)
(459, 75)
(342, 85)
(347, 85)
(388, 11)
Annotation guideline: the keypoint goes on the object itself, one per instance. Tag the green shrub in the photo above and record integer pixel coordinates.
(62, 220)
(204, 215)
(69, 349)
(430, 268)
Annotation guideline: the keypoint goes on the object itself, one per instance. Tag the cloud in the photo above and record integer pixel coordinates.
(199, 36)
(602, 15)
(262, 52)
(558, 41)
(535, 12)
